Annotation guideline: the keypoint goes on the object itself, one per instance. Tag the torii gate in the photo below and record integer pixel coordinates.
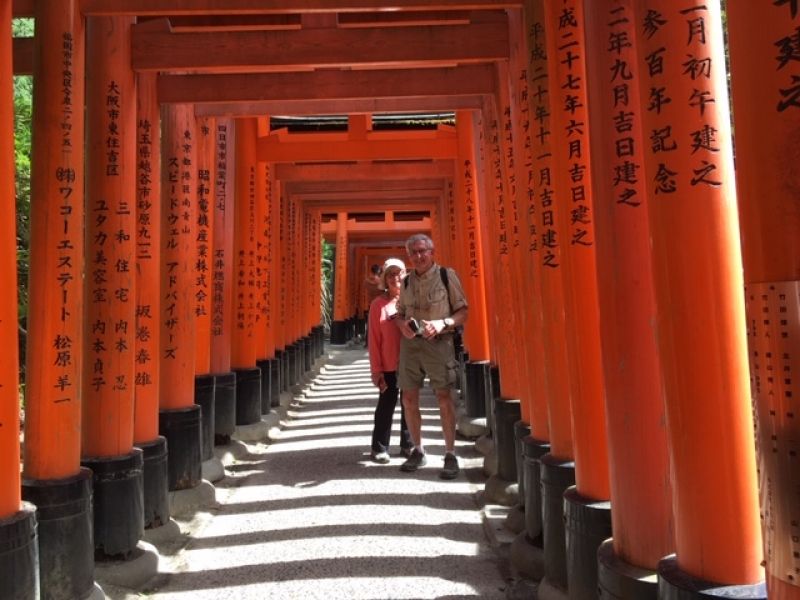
(571, 188)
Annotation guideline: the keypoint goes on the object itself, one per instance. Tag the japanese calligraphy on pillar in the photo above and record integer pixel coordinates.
(787, 58)
(146, 216)
(470, 208)
(246, 261)
(282, 239)
(542, 173)
(110, 274)
(451, 213)
(524, 126)
(571, 102)
(267, 255)
(499, 188)
(68, 276)
(220, 217)
(772, 324)
(177, 240)
(510, 166)
(680, 76)
(624, 118)
(203, 236)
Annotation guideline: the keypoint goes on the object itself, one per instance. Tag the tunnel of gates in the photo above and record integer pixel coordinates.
(634, 305)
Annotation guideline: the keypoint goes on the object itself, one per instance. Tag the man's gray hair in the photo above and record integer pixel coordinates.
(416, 238)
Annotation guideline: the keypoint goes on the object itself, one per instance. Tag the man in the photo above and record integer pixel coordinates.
(430, 307)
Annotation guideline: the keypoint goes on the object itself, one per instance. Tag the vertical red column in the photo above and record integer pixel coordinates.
(204, 382)
(108, 361)
(468, 219)
(243, 349)
(204, 238)
(264, 344)
(340, 295)
(572, 178)
(180, 418)
(55, 338)
(496, 210)
(9, 399)
(556, 469)
(765, 74)
(18, 570)
(639, 462)
(148, 303)
(520, 119)
(222, 278)
(698, 283)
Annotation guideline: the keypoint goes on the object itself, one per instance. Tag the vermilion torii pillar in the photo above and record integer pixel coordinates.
(19, 565)
(148, 303)
(52, 470)
(222, 282)
(556, 465)
(180, 417)
(110, 279)
(765, 75)
(639, 462)
(698, 283)
(204, 378)
(243, 347)
(341, 302)
(587, 503)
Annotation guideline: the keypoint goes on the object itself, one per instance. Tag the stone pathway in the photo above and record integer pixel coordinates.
(310, 516)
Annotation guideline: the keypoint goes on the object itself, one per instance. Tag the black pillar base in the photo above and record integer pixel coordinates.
(556, 476)
(224, 407)
(533, 450)
(320, 339)
(301, 358)
(155, 477)
(248, 396)
(477, 389)
(274, 382)
(266, 387)
(181, 427)
(674, 584)
(338, 332)
(118, 502)
(66, 545)
(308, 345)
(492, 397)
(285, 380)
(587, 524)
(618, 580)
(19, 554)
(291, 352)
(204, 397)
(506, 413)
(461, 382)
(521, 431)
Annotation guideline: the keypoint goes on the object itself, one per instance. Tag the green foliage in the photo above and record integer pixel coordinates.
(23, 108)
(326, 285)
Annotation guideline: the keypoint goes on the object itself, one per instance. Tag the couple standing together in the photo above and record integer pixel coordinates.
(411, 335)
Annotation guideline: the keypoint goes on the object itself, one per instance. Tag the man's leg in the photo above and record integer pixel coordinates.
(410, 399)
(447, 414)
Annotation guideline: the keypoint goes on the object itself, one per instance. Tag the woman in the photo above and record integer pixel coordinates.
(384, 353)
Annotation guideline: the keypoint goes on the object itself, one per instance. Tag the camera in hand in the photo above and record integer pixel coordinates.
(414, 326)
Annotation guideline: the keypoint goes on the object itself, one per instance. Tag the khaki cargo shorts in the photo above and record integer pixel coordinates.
(420, 357)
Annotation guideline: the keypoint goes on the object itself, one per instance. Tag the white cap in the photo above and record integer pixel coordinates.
(391, 262)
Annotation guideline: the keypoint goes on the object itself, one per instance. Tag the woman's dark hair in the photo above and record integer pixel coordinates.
(375, 269)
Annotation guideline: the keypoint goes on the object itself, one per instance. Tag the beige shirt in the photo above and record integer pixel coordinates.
(426, 297)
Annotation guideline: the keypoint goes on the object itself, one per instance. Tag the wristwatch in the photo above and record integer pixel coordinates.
(448, 322)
